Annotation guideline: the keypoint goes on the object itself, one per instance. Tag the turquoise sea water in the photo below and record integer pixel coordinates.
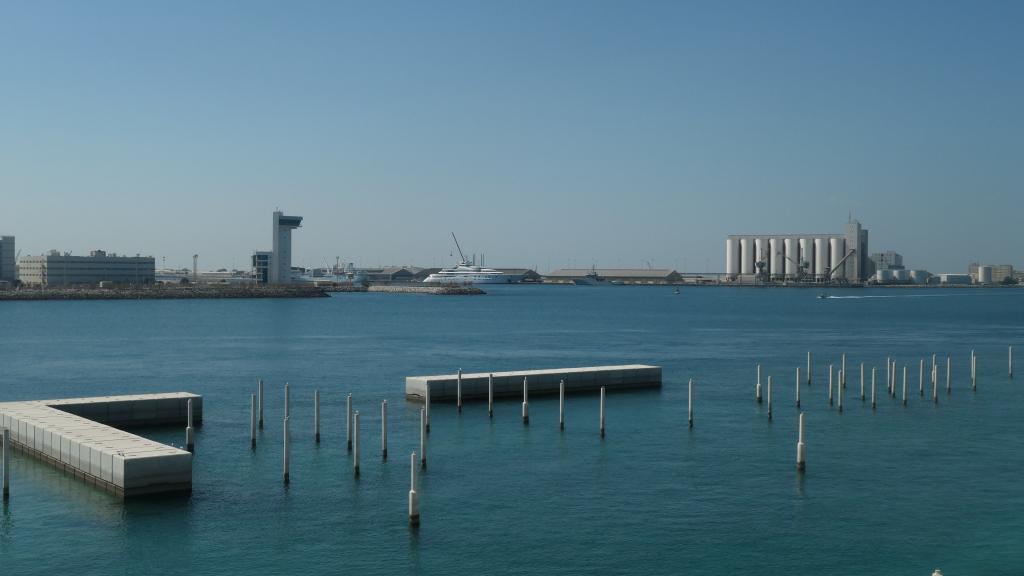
(899, 490)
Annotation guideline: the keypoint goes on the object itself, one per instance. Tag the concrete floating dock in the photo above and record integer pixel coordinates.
(510, 384)
(77, 435)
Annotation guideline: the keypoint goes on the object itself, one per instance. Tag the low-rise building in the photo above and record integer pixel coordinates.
(56, 269)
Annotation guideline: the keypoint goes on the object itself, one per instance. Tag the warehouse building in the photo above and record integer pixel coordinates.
(616, 275)
(799, 257)
(56, 269)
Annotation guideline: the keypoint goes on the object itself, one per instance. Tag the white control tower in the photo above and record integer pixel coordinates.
(281, 258)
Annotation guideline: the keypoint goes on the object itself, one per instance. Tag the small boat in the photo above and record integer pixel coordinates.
(676, 291)
(822, 295)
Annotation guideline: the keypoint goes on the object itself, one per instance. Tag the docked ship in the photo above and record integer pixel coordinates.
(592, 278)
(469, 273)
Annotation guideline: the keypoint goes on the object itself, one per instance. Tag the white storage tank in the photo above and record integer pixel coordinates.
(732, 256)
(775, 256)
(984, 274)
(820, 256)
(885, 276)
(837, 247)
(746, 255)
(791, 256)
(901, 275)
(807, 254)
(760, 252)
(919, 276)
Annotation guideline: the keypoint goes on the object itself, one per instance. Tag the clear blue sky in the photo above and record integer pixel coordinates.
(543, 133)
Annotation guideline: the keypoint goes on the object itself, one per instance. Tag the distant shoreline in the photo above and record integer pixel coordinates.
(162, 293)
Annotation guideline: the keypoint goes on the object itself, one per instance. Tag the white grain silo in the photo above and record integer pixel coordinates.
(820, 257)
(775, 256)
(732, 256)
(760, 251)
(807, 254)
(791, 256)
(746, 255)
(837, 246)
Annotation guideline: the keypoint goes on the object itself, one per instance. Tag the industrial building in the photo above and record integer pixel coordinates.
(888, 260)
(990, 273)
(275, 267)
(56, 269)
(799, 257)
(8, 260)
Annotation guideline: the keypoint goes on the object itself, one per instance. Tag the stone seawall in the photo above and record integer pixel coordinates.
(163, 293)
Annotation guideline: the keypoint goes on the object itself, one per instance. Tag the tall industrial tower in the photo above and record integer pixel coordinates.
(281, 259)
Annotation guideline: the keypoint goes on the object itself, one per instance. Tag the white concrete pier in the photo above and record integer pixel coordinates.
(509, 384)
(77, 435)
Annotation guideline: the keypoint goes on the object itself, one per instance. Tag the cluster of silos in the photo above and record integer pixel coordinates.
(783, 257)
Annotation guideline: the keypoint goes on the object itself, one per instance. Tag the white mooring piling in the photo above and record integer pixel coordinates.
(921, 379)
(829, 384)
(348, 422)
(689, 409)
(252, 422)
(259, 390)
(458, 391)
(769, 398)
(974, 371)
(757, 387)
(602, 411)
(874, 374)
(904, 385)
(839, 390)
(894, 372)
(7, 464)
(426, 408)
(949, 373)
(1011, 362)
(561, 405)
(526, 401)
(842, 372)
(414, 498)
(797, 386)
(800, 454)
(316, 415)
(888, 373)
(355, 444)
(287, 403)
(190, 435)
(861, 381)
(384, 429)
(423, 438)
(490, 395)
(287, 463)
(935, 384)
(808, 368)
(934, 356)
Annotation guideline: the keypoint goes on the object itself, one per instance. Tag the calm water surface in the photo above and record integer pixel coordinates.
(899, 490)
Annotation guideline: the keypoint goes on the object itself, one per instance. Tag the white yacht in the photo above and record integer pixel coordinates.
(469, 273)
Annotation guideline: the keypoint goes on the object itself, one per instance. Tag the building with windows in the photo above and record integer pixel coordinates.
(887, 261)
(56, 269)
(799, 257)
(261, 266)
(8, 260)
